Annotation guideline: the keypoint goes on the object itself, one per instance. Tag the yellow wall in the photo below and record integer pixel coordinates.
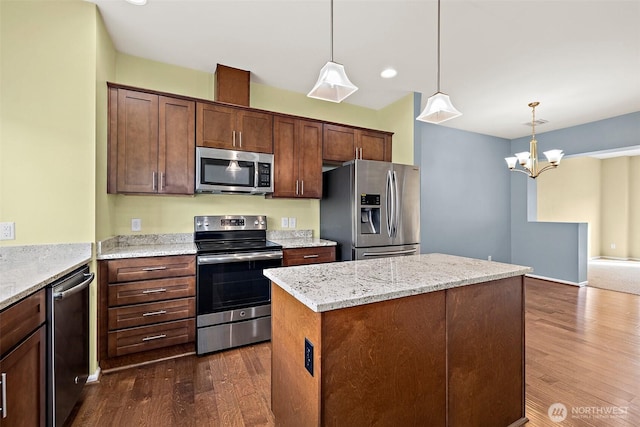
(398, 118)
(634, 208)
(604, 193)
(615, 207)
(571, 193)
(47, 143)
(175, 214)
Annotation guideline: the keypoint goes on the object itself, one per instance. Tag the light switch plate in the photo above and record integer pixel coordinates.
(292, 222)
(136, 224)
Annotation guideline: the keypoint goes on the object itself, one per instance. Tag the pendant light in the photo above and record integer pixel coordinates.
(333, 84)
(439, 107)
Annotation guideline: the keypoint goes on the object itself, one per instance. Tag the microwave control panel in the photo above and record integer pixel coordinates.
(264, 175)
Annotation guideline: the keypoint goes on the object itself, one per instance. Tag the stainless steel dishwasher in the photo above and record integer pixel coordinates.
(68, 343)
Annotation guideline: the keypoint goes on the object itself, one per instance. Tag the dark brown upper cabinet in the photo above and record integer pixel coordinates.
(151, 143)
(297, 157)
(343, 143)
(220, 126)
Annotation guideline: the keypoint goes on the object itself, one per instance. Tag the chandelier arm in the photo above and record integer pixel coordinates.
(547, 168)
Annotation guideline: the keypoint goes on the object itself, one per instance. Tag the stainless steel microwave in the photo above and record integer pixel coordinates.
(233, 172)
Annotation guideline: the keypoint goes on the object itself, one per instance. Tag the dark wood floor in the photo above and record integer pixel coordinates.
(582, 350)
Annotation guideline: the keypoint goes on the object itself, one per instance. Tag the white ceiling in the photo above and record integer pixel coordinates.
(580, 59)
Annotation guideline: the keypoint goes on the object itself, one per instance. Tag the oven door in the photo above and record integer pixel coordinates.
(231, 281)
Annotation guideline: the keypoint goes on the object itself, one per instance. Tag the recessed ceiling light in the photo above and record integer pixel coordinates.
(388, 73)
(137, 2)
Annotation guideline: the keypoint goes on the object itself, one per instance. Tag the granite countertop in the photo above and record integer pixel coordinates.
(27, 269)
(291, 239)
(146, 245)
(324, 287)
(149, 245)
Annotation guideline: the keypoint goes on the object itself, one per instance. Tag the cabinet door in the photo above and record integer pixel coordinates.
(24, 373)
(374, 145)
(285, 173)
(137, 142)
(309, 153)
(255, 131)
(339, 144)
(215, 126)
(176, 142)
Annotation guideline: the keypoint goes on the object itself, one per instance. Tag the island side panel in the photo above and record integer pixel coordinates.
(384, 363)
(485, 334)
(295, 394)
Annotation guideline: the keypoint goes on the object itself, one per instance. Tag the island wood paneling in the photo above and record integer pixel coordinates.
(485, 352)
(399, 343)
(291, 323)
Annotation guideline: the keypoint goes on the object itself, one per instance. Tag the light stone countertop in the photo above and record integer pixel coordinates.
(150, 245)
(146, 245)
(27, 269)
(324, 287)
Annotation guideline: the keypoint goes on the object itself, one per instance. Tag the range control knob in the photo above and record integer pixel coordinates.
(198, 224)
(206, 224)
(261, 222)
(255, 222)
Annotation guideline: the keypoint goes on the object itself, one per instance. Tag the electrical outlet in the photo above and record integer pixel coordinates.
(489, 258)
(7, 230)
(284, 222)
(308, 356)
(292, 223)
(613, 246)
(136, 224)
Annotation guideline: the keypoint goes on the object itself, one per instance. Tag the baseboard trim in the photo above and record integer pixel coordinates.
(612, 258)
(94, 377)
(564, 282)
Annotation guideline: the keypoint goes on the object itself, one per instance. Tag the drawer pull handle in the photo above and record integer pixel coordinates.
(311, 256)
(4, 395)
(155, 337)
(154, 313)
(154, 291)
(154, 268)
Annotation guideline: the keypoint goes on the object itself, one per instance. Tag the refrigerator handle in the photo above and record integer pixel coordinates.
(396, 201)
(389, 204)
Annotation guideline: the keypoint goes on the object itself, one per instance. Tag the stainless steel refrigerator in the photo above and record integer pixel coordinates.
(372, 209)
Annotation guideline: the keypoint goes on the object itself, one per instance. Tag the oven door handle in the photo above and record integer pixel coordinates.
(239, 257)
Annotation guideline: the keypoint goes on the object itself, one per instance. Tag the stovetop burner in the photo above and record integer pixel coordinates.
(231, 234)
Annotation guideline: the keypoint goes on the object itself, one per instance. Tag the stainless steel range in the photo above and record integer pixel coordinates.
(233, 298)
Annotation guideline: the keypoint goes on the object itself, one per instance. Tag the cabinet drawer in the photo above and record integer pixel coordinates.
(19, 320)
(316, 255)
(126, 270)
(144, 338)
(155, 312)
(151, 290)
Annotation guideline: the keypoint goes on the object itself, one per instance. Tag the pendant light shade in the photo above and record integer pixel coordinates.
(438, 109)
(333, 84)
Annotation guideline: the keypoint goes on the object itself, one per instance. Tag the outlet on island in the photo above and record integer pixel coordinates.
(308, 356)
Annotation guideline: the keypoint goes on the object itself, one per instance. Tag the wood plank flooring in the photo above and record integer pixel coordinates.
(582, 350)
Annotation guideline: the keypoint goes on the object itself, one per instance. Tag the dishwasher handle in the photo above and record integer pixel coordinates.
(88, 279)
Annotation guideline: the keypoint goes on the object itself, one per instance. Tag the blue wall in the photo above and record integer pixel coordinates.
(471, 205)
(559, 250)
(465, 188)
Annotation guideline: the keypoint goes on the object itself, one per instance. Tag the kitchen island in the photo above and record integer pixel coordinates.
(429, 339)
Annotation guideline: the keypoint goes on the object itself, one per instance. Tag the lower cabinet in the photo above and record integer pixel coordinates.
(23, 363)
(145, 304)
(313, 255)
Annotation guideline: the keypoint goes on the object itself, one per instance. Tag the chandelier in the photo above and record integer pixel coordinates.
(528, 160)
